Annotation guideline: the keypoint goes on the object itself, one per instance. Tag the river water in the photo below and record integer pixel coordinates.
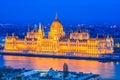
(108, 70)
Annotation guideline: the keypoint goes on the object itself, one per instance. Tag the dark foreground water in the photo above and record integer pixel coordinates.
(109, 70)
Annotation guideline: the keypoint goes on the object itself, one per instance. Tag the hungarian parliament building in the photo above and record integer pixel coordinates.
(58, 42)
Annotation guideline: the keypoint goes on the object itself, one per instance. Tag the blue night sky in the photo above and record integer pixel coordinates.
(69, 11)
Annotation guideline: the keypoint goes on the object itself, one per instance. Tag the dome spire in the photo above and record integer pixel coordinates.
(56, 17)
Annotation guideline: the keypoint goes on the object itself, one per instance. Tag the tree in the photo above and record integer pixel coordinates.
(65, 70)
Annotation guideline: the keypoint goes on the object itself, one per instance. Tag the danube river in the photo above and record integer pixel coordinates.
(108, 70)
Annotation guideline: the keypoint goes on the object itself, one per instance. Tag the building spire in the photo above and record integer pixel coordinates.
(40, 30)
(40, 26)
(56, 17)
(111, 38)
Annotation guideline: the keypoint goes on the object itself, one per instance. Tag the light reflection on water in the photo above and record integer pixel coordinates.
(106, 70)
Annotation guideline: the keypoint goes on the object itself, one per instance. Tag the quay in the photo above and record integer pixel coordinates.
(101, 58)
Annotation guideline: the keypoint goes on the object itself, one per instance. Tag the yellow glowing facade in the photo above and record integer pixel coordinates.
(57, 41)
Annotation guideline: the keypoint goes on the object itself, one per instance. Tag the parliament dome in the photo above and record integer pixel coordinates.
(56, 24)
(56, 28)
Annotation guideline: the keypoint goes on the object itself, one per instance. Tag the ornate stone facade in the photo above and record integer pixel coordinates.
(57, 41)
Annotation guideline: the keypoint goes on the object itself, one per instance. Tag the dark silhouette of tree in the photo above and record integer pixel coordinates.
(65, 70)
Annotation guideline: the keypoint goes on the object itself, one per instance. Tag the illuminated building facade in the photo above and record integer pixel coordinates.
(56, 41)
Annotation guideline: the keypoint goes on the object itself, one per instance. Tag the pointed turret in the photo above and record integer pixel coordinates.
(40, 26)
(13, 35)
(108, 38)
(40, 33)
(41, 30)
(111, 38)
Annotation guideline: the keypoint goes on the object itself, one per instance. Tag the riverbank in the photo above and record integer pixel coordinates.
(101, 59)
(9, 73)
